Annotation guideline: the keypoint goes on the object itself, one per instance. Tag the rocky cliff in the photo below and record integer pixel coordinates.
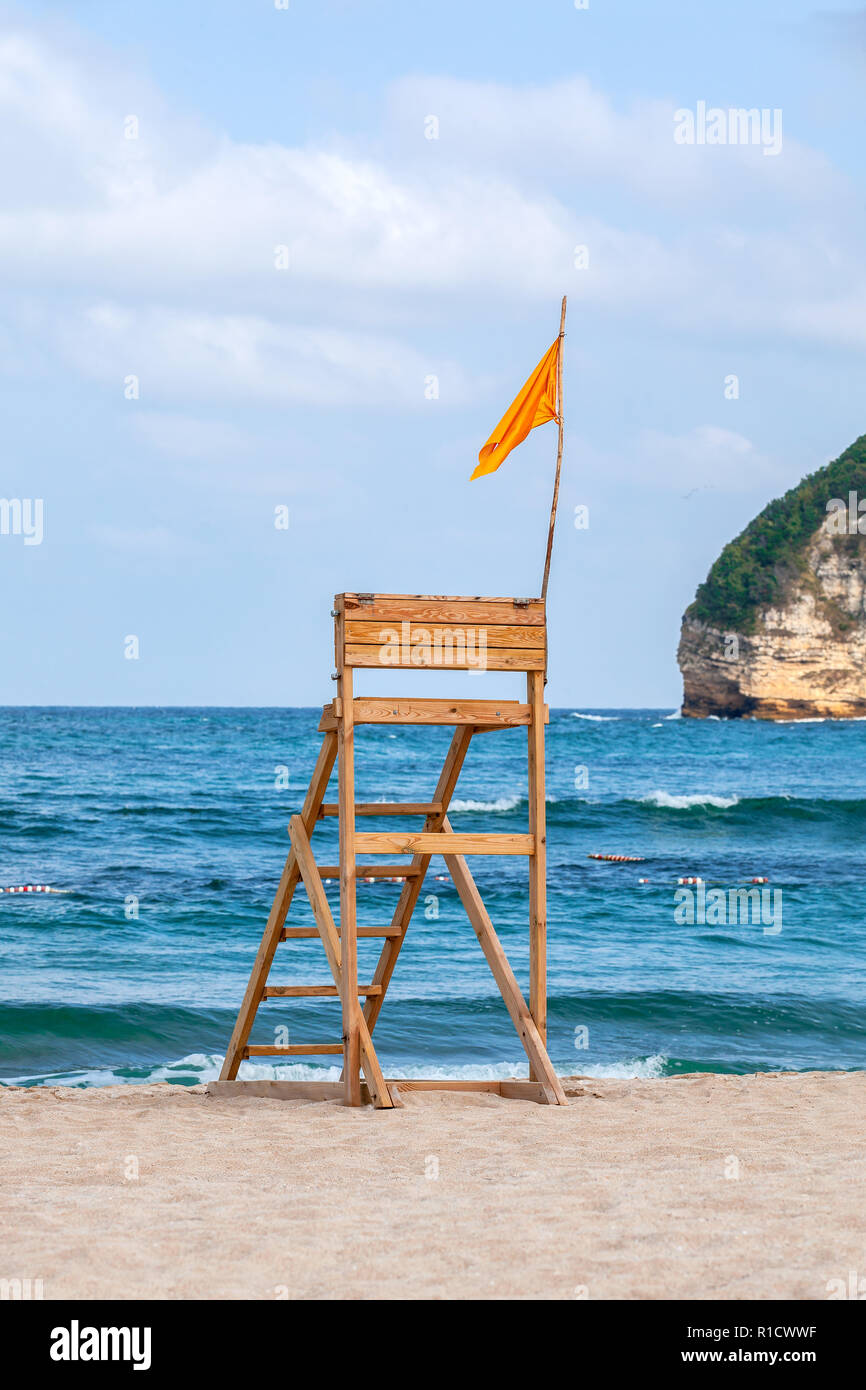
(778, 629)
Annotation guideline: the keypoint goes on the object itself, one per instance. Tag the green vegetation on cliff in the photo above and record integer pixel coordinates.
(753, 570)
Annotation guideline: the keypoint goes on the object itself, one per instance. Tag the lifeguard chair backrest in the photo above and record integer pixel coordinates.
(429, 631)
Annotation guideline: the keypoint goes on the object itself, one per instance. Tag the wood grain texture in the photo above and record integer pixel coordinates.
(538, 861)
(432, 842)
(378, 633)
(313, 991)
(383, 808)
(441, 608)
(348, 920)
(495, 659)
(506, 714)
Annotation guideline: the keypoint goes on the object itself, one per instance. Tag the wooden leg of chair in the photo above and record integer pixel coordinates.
(348, 904)
(537, 861)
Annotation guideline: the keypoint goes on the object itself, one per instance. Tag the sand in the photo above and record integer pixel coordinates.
(166, 1192)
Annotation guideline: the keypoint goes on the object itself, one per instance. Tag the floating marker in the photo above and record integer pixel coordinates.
(619, 858)
(690, 880)
(759, 880)
(33, 888)
(643, 880)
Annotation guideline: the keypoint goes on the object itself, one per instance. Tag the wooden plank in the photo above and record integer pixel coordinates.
(313, 991)
(312, 934)
(277, 916)
(471, 636)
(490, 1088)
(333, 1090)
(538, 860)
(523, 1090)
(383, 808)
(495, 659)
(293, 1050)
(283, 1090)
(371, 871)
(454, 760)
(441, 608)
(334, 950)
(427, 842)
(493, 714)
(504, 976)
(509, 1089)
(348, 919)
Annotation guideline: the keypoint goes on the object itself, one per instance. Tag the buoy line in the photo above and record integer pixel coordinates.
(619, 858)
(33, 888)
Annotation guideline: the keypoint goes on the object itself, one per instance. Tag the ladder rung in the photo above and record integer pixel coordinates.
(372, 871)
(483, 714)
(435, 842)
(293, 1050)
(386, 808)
(311, 933)
(312, 991)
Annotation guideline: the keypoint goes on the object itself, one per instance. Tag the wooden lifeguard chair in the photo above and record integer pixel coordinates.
(402, 631)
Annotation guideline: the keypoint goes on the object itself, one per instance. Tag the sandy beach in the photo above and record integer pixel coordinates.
(163, 1191)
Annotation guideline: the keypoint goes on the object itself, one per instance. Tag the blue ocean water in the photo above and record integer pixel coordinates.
(185, 811)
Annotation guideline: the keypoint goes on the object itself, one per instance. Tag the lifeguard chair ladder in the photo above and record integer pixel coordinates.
(402, 631)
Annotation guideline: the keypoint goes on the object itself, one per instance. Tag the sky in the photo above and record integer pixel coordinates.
(262, 262)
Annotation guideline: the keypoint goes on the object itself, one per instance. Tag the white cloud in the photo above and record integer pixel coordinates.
(188, 221)
(180, 355)
(569, 130)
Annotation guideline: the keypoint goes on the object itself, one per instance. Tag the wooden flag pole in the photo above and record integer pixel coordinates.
(558, 455)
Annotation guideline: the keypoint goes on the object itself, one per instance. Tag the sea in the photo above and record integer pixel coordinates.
(165, 830)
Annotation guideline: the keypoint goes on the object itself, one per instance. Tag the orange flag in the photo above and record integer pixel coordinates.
(534, 404)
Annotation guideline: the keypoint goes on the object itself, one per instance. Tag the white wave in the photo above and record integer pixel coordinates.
(202, 1068)
(597, 718)
(639, 1069)
(683, 803)
(504, 803)
(75, 1078)
(198, 1064)
(677, 714)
